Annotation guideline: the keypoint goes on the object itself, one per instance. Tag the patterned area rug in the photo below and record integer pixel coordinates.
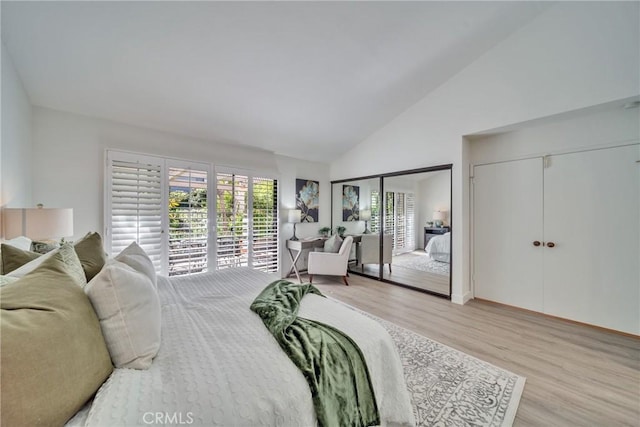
(451, 388)
(420, 261)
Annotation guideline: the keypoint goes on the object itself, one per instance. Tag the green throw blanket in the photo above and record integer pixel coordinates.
(330, 361)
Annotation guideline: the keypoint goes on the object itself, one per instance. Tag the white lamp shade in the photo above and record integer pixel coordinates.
(365, 214)
(439, 216)
(294, 216)
(38, 223)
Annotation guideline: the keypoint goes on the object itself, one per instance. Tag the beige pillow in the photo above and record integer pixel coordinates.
(128, 307)
(5, 280)
(54, 357)
(91, 253)
(13, 258)
(333, 244)
(66, 254)
(134, 256)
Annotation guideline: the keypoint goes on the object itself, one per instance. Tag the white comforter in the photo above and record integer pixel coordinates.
(218, 364)
(439, 247)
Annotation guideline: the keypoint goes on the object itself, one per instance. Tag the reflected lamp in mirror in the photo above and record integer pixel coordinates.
(365, 215)
(39, 224)
(293, 217)
(438, 218)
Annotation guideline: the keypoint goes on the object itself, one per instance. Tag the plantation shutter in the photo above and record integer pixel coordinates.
(135, 205)
(400, 224)
(411, 222)
(375, 211)
(389, 220)
(188, 220)
(232, 192)
(264, 255)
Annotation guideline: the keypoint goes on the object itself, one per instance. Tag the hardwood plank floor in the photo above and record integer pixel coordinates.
(576, 375)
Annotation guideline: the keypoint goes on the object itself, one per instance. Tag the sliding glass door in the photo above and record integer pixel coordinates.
(392, 217)
(188, 219)
(247, 222)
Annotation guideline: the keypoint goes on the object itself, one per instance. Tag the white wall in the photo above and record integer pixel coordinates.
(290, 170)
(68, 164)
(573, 55)
(16, 141)
(434, 193)
(611, 127)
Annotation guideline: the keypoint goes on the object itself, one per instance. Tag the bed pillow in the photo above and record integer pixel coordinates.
(31, 265)
(91, 253)
(66, 252)
(20, 242)
(14, 258)
(333, 244)
(54, 357)
(128, 307)
(5, 280)
(135, 257)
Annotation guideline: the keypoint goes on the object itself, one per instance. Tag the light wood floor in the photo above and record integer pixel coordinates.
(576, 375)
(418, 279)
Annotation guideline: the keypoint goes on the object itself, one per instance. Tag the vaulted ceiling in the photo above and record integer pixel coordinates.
(304, 79)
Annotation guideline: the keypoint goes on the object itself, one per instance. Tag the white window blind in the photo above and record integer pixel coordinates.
(375, 211)
(400, 224)
(389, 218)
(411, 222)
(188, 220)
(135, 205)
(232, 193)
(264, 254)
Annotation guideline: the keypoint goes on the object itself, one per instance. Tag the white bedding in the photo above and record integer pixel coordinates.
(218, 364)
(439, 247)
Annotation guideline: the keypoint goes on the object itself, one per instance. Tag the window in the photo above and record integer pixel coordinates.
(399, 218)
(247, 222)
(188, 220)
(165, 206)
(135, 205)
(375, 211)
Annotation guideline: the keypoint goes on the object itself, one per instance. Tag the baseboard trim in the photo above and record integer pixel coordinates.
(551, 316)
(461, 299)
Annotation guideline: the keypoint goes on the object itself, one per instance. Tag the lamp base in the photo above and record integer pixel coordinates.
(366, 228)
(294, 238)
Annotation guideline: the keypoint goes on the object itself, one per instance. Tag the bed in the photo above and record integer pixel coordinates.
(218, 364)
(439, 248)
(203, 358)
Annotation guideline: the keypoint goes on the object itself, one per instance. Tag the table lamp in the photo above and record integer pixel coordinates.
(438, 218)
(365, 215)
(39, 224)
(294, 218)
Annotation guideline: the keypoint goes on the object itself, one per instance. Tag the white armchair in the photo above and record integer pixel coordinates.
(369, 250)
(329, 263)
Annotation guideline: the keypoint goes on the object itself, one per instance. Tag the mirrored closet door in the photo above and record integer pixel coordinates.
(400, 223)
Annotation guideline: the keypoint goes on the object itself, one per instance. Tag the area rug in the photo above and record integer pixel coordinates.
(420, 261)
(451, 388)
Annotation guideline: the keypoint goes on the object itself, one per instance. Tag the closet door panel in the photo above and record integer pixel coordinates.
(507, 220)
(592, 216)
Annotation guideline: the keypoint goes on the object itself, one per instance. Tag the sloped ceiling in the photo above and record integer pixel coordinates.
(303, 79)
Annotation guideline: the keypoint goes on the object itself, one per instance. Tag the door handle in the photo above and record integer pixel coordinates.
(536, 243)
(550, 244)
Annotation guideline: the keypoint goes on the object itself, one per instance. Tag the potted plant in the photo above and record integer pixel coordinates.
(325, 231)
(340, 230)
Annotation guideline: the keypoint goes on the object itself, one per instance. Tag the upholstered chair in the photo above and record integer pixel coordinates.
(369, 250)
(329, 263)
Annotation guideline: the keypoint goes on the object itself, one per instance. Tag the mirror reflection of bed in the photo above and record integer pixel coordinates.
(403, 207)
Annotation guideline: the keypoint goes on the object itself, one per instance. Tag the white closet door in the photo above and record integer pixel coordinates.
(507, 215)
(592, 215)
